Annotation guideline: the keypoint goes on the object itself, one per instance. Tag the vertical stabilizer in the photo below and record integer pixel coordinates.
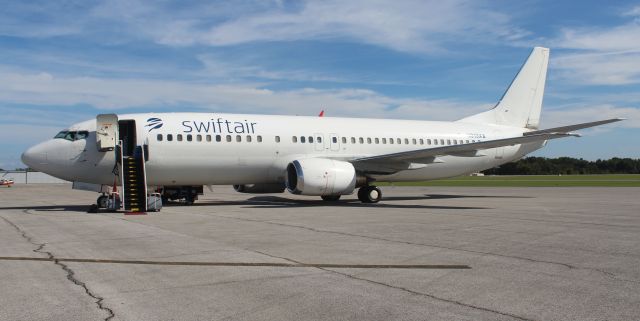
(521, 104)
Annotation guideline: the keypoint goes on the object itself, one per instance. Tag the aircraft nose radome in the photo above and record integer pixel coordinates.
(33, 157)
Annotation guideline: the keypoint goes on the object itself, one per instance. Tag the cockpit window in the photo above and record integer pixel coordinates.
(72, 135)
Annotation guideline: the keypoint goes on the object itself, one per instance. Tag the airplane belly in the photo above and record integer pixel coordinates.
(203, 171)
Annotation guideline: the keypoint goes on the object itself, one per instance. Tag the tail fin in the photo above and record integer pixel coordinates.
(521, 104)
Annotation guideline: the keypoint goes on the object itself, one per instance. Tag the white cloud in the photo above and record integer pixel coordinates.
(601, 55)
(571, 114)
(412, 25)
(108, 93)
(600, 68)
(632, 12)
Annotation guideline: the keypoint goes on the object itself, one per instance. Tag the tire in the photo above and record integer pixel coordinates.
(102, 201)
(369, 194)
(330, 198)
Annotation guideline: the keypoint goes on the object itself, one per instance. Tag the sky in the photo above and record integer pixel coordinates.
(66, 61)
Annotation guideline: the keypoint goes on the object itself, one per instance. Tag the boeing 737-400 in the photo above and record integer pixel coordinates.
(173, 155)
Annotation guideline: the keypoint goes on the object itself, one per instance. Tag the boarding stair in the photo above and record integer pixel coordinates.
(134, 182)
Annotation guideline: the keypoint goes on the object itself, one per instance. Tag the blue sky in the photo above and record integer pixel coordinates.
(66, 61)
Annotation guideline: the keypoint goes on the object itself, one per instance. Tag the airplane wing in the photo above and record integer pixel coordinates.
(391, 163)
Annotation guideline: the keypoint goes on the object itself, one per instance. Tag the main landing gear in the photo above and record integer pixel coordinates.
(369, 194)
(366, 194)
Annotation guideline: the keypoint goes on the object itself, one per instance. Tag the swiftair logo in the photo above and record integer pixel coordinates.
(154, 123)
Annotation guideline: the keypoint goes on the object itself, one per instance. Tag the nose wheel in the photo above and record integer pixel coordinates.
(369, 194)
(102, 201)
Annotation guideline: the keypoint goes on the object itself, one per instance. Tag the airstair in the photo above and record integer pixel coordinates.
(133, 180)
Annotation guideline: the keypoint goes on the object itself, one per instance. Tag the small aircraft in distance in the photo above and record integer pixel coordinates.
(176, 154)
(8, 182)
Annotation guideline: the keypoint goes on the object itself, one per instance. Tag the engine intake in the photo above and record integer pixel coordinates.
(320, 177)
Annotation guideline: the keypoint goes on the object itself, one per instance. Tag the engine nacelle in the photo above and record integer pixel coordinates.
(259, 188)
(320, 176)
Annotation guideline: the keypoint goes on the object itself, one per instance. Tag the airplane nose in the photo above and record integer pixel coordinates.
(34, 157)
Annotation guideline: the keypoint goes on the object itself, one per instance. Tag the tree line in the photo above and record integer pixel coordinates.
(567, 166)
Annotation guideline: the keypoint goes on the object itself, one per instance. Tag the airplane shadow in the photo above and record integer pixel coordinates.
(50, 208)
(446, 196)
(282, 202)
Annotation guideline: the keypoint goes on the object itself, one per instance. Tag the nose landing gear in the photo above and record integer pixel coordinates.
(369, 194)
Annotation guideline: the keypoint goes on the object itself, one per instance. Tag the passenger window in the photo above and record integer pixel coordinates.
(384, 140)
(368, 140)
(238, 138)
(310, 139)
(406, 141)
(467, 141)
(448, 141)
(159, 137)
(248, 138)
(208, 138)
(189, 137)
(398, 140)
(302, 139)
(353, 140)
(218, 138)
(377, 140)
(442, 142)
(277, 139)
(294, 139)
(199, 138)
(421, 141)
(228, 138)
(391, 141)
(361, 140)
(344, 140)
(259, 139)
(334, 140)
(428, 141)
(455, 142)
(319, 139)
(169, 137)
(179, 137)
(414, 141)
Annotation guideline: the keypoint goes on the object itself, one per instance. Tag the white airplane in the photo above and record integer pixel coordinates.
(178, 153)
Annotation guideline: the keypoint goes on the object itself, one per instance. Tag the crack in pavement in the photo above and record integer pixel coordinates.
(402, 289)
(569, 266)
(70, 273)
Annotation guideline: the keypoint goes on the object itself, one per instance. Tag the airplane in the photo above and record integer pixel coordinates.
(171, 156)
(6, 182)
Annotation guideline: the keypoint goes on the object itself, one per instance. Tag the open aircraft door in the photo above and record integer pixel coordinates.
(106, 132)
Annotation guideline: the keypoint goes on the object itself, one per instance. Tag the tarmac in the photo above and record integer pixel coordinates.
(423, 253)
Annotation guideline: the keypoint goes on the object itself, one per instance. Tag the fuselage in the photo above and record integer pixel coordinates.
(213, 148)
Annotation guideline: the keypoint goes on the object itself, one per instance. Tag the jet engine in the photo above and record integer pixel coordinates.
(320, 177)
(259, 188)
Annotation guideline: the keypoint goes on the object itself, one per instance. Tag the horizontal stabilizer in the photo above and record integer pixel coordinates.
(570, 128)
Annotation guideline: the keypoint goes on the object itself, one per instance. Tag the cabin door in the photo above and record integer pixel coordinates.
(319, 142)
(127, 134)
(106, 132)
(335, 143)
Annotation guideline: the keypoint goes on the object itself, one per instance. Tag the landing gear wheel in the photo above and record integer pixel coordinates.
(330, 198)
(102, 201)
(369, 194)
